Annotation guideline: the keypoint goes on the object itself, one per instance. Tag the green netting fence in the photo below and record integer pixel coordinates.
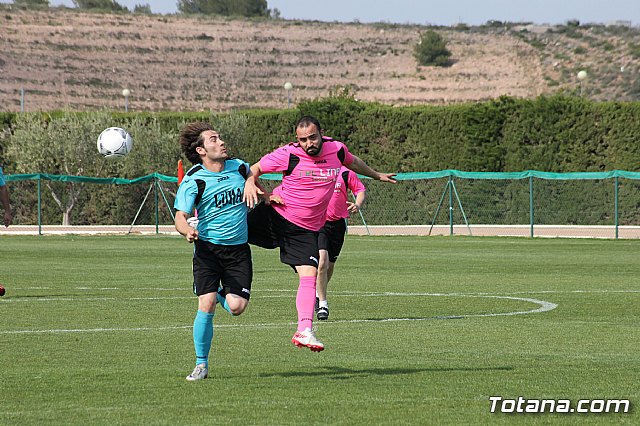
(528, 203)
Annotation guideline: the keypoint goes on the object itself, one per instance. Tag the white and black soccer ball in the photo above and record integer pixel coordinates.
(114, 142)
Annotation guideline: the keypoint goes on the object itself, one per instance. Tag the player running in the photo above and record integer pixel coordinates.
(214, 186)
(331, 237)
(309, 167)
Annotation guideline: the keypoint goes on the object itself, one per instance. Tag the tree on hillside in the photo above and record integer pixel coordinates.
(62, 146)
(432, 50)
(29, 3)
(66, 145)
(142, 8)
(225, 7)
(233, 126)
(111, 5)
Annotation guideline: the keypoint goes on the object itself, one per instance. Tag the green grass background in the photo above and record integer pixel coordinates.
(126, 308)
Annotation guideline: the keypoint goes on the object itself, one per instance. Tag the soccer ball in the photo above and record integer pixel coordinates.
(114, 142)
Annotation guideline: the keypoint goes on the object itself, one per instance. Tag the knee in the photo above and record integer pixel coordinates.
(235, 311)
(206, 305)
(237, 308)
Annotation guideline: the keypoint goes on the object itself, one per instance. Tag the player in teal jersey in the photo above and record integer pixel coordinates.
(222, 267)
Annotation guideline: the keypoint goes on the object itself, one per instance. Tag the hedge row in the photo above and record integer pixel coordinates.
(555, 134)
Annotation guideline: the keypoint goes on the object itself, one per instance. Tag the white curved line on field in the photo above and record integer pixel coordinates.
(543, 306)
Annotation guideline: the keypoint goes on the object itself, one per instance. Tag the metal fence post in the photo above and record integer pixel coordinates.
(155, 179)
(531, 205)
(615, 205)
(450, 205)
(39, 205)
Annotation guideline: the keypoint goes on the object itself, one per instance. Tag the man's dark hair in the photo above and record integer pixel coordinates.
(308, 120)
(191, 138)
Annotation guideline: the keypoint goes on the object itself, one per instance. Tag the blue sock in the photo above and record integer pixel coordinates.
(202, 336)
(223, 302)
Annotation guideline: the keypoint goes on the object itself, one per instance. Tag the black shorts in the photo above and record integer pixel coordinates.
(331, 238)
(230, 265)
(268, 229)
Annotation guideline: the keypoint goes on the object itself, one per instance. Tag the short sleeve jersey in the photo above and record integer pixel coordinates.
(2, 182)
(347, 181)
(307, 181)
(217, 197)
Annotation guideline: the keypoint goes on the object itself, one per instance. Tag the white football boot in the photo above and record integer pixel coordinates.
(198, 373)
(307, 339)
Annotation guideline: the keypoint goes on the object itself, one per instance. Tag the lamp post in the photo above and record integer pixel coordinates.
(126, 93)
(288, 86)
(582, 75)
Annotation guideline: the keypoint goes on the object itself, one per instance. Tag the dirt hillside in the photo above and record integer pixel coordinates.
(65, 59)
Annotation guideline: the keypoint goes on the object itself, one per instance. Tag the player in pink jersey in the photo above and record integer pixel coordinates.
(298, 209)
(331, 237)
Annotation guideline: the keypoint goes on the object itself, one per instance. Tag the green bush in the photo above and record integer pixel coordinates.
(432, 50)
(107, 5)
(144, 9)
(31, 3)
(634, 50)
(250, 8)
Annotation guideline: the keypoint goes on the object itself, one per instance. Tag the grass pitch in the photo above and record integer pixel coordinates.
(97, 330)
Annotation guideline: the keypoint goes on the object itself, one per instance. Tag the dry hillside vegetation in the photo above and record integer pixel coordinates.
(66, 59)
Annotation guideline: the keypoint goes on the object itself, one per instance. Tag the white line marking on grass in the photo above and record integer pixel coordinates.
(339, 292)
(31, 288)
(91, 299)
(544, 306)
(94, 330)
(364, 293)
(258, 295)
(183, 288)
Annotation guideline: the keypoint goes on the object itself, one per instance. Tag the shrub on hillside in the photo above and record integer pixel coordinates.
(432, 50)
(142, 8)
(225, 7)
(109, 5)
(31, 3)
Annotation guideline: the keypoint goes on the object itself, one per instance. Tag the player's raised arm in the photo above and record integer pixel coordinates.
(362, 168)
(252, 188)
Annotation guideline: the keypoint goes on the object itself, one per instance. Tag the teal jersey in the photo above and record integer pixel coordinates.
(2, 182)
(217, 197)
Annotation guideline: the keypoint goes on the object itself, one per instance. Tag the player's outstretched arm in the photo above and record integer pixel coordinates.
(252, 188)
(362, 168)
(357, 206)
(182, 226)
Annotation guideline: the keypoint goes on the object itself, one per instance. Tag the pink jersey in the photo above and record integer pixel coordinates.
(307, 181)
(347, 181)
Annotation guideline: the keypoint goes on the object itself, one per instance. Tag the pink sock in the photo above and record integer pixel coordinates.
(305, 301)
